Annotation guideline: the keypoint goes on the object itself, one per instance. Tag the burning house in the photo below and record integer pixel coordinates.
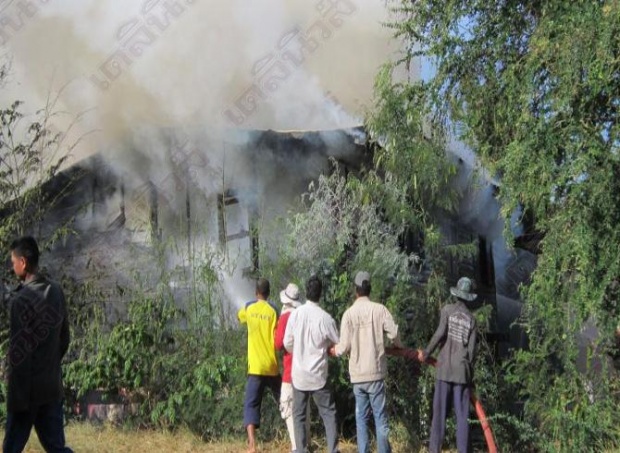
(199, 194)
(187, 198)
(186, 68)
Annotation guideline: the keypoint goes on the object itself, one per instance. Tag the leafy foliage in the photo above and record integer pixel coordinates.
(534, 88)
(32, 151)
(357, 222)
(181, 361)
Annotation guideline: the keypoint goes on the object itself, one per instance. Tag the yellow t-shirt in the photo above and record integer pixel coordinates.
(261, 318)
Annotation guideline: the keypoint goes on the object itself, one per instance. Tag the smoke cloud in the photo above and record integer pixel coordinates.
(268, 64)
(164, 85)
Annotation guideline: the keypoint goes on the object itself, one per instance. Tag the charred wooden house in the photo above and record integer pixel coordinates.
(197, 200)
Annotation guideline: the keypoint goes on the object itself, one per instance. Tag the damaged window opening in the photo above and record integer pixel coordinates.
(237, 229)
(154, 217)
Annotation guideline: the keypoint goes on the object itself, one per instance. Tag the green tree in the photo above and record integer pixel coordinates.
(534, 88)
(32, 153)
(350, 222)
(171, 356)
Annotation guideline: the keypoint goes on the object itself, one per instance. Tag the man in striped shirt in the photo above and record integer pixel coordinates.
(456, 338)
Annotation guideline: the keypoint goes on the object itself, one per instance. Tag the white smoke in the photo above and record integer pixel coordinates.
(191, 85)
(197, 68)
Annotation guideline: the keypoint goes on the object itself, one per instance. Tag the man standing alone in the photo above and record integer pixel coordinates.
(362, 331)
(261, 318)
(310, 332)
(39, 338)
(454, 373)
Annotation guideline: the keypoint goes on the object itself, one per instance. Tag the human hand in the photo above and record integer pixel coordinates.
(332, 351)
(421, 357)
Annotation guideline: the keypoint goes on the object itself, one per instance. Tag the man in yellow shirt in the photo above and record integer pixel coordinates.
(261, 318)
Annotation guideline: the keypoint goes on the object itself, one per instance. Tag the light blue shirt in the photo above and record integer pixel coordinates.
(310, 332)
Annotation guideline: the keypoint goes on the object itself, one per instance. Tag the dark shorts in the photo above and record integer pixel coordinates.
(254, 390)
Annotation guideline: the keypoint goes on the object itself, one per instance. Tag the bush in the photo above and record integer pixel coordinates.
(183, 367)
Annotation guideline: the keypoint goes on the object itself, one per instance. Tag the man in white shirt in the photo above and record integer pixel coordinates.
(310, 332)
(363, 330)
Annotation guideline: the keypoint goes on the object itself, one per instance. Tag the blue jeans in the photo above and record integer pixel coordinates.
(48, 423)
(371, 395)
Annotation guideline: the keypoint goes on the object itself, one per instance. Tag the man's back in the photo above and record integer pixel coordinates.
(261, 318)
(364, 325)
(457, 335)
(39, 333)
(309, 333)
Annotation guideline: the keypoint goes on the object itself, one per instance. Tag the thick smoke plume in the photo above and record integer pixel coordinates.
(188, 63)
(159, 82)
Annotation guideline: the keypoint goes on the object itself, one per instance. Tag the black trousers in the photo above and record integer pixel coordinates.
(456, 395)
(48, 423)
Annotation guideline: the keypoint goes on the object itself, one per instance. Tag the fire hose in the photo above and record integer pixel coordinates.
(482, 417)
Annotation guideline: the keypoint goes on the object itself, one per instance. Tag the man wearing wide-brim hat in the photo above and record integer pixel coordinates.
(456, 334)
(290, 299)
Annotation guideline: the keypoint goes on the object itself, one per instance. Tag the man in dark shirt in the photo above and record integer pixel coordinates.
(39, 338)
(457, 335)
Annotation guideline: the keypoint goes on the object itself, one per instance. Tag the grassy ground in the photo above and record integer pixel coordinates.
(86, 438)
(83, 438)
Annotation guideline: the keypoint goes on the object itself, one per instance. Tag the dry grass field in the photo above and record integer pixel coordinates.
(87, 438)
